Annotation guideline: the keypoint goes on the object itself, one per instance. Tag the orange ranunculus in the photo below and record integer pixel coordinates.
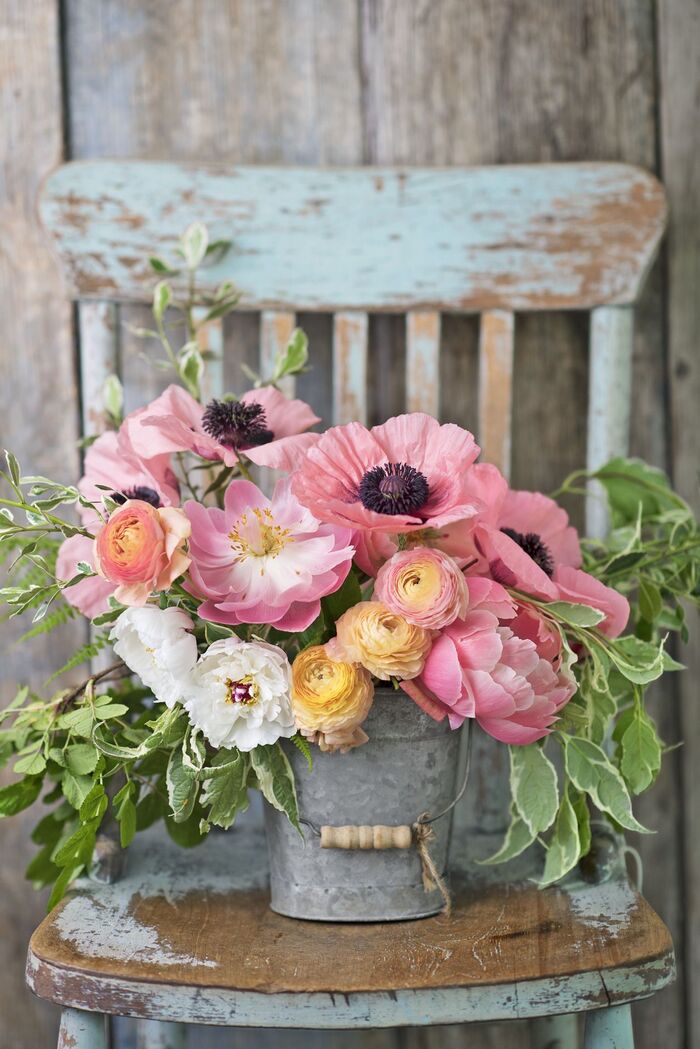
(330, 699)
(142, 549)
(382, 641)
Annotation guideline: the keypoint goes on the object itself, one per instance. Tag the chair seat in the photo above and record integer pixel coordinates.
(188, 935)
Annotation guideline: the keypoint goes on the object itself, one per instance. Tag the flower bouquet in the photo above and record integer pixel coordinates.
(315, 615)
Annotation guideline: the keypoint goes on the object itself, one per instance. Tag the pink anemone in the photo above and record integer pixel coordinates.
(91, 595)
(111, 461)
(408, 475)
(264, 561)
(264, 424)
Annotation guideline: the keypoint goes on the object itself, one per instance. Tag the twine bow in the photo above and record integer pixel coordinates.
(423, 835)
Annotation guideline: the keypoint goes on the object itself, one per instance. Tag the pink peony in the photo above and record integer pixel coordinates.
(264, 561)
(141, 549)
(480, 668)
(264, 424)
(424, 586)
(112, 462)
(409, 475)
(91, 595)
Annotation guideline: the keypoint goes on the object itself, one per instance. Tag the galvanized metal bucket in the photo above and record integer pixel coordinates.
(409, 767)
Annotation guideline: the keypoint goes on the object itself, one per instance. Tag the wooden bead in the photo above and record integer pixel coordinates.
(366, 837)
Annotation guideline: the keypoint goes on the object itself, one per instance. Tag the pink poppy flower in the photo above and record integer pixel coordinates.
(91, 595)
(411, 474)
(522, 538)
(264, 561)
(176, 422)
(482, 668)
(111, 461)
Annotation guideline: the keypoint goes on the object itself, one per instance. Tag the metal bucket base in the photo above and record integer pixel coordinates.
(408, 767)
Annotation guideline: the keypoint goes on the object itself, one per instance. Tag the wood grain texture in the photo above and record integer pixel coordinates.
(512, 237)
(496, 343)
(679, 67)
(350, 367)
(38, 420)
(512, 951)
(423, 362)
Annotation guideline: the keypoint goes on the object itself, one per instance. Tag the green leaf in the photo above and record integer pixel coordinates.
(631, 484)
(76, 788)
(348, 595)
(650, 601)
(194, 751)
(77, 848)
(161, 299)
(95, 803)
(113, 397)
(67, 875)
(533, 783)
(639, 661)
(591, 771)
(314, 634)
(110, 710)
(226, 794)
(193, 244)
(19, 796)
(294, 357)
(31, 765)
(13, 467)
(276, 780)
(564, 846)
(41, 870)
(518, 838)
(191, 367)
(639, 748)
(182, 788)
(187, 833)
(161, 267)
(583, 818)
(82, 758)
(575, 615)
(126, 817)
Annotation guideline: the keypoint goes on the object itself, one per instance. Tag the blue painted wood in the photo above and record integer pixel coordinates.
(609, 1029)
(82, 1030)
(551, 236)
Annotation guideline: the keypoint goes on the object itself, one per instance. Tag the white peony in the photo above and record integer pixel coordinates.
(239, 694)
(158, 645)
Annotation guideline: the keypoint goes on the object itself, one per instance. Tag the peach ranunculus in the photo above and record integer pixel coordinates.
(425, 586)
(142, 549)
(330, 699)
(382, 641)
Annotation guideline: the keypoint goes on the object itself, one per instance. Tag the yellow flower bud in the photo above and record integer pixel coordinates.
(382, 641)
(330, 699)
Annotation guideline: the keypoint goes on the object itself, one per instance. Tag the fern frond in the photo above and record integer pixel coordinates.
(61, 614)
(83, 655)
(302, 744)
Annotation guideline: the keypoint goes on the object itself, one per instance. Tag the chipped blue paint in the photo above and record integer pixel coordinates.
(521, 237)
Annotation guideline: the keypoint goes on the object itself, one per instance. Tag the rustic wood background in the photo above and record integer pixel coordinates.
(352, 82)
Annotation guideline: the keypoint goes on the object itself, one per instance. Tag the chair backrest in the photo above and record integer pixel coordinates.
(352, 241)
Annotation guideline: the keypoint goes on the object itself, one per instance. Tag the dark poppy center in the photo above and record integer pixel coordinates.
(533, 546)
(393, 488)
(142, 492)
(236, 424)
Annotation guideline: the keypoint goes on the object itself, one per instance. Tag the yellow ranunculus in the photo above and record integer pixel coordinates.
(382, 641)
(330, 699)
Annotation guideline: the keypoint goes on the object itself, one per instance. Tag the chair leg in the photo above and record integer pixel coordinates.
(554, 1032)
(157, 1034)
(609, 1028)
(80, 1030)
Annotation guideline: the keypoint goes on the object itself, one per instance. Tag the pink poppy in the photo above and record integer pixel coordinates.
(112, 462)
(411, 474)
(522, 538)
(482, 668)
(264, 561)
(91, 595)
(261, 419)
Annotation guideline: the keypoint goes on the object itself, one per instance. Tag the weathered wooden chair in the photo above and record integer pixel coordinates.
(188, 937)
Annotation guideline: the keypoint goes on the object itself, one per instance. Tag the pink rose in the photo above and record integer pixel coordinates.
(142, 549)
(423, 585)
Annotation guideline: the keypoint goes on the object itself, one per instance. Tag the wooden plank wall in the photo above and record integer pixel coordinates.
(369, 81)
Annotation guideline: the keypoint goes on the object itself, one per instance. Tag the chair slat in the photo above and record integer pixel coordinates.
(423, 362)
(609, 392)
(496, 386)
(350, 367)
(211, 337)
(276, 327)
(99, 351)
